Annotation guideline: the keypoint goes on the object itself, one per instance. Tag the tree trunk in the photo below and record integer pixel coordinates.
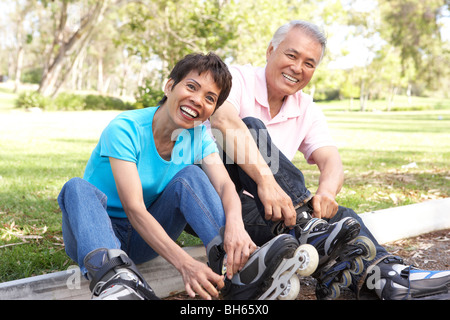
(69, 47)
(19, 65)
(100, 87)
(362, 97)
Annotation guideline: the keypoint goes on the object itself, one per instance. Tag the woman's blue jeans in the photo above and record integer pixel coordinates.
(290, 179)
(188, 198)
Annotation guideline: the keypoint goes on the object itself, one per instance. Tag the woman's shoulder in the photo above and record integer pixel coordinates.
(140, 117)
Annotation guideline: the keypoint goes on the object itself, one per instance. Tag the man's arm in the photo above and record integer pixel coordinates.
(237, 243)
(239, 145)
(330, 181)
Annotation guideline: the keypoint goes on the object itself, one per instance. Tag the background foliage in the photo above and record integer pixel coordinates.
(113, 47)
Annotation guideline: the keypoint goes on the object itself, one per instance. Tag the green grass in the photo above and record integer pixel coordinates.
(390, 159)
(39, 152)
(400, 103)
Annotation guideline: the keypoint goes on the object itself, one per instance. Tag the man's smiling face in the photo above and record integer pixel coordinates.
(291, 65)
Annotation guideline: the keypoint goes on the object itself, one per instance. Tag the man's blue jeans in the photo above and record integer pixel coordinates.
(188, 198)
(290, 179)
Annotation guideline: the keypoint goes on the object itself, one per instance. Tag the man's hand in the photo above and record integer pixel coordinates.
(277, 204)
(330, 181)
(325, 206)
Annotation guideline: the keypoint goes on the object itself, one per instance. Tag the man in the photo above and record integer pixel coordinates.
(275, 198)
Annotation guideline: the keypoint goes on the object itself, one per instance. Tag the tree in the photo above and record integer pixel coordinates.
(22, 37)
(69, 39)
(171, 29)
(412, 27)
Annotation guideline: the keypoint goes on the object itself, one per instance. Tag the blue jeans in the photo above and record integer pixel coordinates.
(86, 225)
(290, 179)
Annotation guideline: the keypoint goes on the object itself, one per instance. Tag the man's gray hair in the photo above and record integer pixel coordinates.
(309, 28)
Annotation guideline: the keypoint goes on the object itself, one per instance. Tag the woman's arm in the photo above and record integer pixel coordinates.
(244, 151)
(198, 277)
(237, 243)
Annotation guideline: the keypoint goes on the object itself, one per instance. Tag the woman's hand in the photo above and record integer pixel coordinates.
(200, 279)
(238, 245)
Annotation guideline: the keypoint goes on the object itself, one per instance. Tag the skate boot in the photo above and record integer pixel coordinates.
(113, 276)
(392, 280)
(338, 273)
(269, 273)
(328, 239)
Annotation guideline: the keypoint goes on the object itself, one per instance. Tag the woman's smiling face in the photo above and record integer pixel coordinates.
(192, 100)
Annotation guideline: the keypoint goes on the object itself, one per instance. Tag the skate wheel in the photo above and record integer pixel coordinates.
(369, 247)
(309, 259)
(346, 279)
(357, 266)
(335, 291)
(292, 290)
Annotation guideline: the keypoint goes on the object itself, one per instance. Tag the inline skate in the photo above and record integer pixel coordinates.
(337, 274)
(393, 280)
(328, 239)
(114, 276)
(270, 272)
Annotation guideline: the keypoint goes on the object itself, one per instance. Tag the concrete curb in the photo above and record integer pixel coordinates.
(408, 221)
(386, 225)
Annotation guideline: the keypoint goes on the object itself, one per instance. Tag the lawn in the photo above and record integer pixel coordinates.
(390, 159)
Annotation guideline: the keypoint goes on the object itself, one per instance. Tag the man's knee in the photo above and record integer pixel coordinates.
(254, 123)
(344, 212)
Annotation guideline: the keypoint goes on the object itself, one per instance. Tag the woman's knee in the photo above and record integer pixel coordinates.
(192, 173)
(73, 184)
(78, 188)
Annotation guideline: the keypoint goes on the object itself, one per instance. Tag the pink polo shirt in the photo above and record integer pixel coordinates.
(300, 124)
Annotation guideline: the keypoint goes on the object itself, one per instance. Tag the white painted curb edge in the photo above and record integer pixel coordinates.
(386, 225)
(408, 221)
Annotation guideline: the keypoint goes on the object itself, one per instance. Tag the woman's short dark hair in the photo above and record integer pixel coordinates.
(203, 63)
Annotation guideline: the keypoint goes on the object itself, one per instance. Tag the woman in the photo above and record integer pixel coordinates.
(144, 166)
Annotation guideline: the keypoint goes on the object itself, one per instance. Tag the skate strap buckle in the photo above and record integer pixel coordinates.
(121, 260)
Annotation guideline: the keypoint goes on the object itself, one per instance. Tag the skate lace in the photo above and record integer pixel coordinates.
(408, 270)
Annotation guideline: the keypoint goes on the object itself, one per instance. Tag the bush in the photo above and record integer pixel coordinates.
(68, 102)
(33, 75)
(146, 96)
(71, 102)
(95, 102)
(27, 100)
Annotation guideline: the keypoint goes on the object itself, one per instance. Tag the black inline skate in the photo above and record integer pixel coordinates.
(270, 272)
(337, 274)
(393, 280)
(114, 276)
(328, 239)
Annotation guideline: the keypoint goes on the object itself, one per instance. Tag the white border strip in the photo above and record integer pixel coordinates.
(408, 221)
